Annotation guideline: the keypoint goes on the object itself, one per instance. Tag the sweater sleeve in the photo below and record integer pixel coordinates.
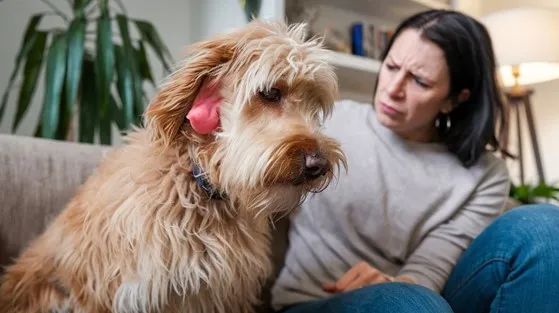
(431, 262)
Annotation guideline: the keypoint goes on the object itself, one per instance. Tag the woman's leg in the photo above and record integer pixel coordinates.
(379, 298)
(512, 266)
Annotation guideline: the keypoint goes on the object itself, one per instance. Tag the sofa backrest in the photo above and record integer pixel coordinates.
(37, 178)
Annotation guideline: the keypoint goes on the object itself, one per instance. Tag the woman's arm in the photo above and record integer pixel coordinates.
(431, 263)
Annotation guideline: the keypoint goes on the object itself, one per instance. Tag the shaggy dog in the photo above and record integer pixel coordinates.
(179, 218)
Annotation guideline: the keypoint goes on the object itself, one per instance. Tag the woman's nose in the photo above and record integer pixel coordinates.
(396, 86)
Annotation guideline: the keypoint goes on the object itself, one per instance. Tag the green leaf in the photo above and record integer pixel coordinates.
(56, 68)
(544, 191)
(125, 85)
(145, 69)
(139, 109)
(145, 74)
(117, 115)
(65, 118)
(534, 193)
(79, 7)
(150, 35)
(76, 39)
(251, 8)
(39, 126)
(25, 47)
(105, 128)
(88, 103)
(130, 85)
(31, 75)
(38, 129)
(104, 7)
(104, 65)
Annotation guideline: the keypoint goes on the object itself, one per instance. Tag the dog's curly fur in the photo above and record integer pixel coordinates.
(142, 236)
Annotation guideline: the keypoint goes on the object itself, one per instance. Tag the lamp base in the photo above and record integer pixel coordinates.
(520, 96)
(517, 90)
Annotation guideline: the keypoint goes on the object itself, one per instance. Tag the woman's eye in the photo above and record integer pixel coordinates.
(419, 82)
(391, 67)
(271, 95)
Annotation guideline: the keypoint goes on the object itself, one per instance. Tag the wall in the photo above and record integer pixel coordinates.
(545, 104)
(214, 16)
(172, 18)
(471, 7)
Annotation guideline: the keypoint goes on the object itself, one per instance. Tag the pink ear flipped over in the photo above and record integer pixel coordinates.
(204, 114)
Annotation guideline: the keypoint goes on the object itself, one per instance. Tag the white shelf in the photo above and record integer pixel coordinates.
(355, 73)
(394, 10)
(354, 62)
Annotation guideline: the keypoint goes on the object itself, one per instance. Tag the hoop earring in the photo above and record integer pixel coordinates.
(448, 122)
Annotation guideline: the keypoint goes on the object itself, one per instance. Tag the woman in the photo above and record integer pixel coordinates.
(414, 226)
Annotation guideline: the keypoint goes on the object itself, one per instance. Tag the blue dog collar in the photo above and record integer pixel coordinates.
(204, 183)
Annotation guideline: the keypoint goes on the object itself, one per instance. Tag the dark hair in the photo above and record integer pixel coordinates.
(469, 55)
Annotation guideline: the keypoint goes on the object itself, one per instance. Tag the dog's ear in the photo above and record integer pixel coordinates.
(204, 113)
(195, 85)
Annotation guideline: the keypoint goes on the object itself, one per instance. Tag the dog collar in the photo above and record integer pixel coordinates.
(204, 183)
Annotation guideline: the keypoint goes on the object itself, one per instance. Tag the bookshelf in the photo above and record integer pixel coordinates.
(354, 62)
(388, 9)
(356, 74)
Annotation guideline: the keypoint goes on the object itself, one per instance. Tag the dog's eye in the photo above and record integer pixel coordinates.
(271, 95)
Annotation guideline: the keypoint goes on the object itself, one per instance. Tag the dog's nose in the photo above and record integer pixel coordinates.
(316, 165)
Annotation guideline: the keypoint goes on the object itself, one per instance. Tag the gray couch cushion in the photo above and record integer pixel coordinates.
(37, 178)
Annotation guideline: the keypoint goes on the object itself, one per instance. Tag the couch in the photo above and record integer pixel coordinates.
(38, 177)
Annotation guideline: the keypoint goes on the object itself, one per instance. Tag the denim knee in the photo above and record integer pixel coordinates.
(378, 298)
(532, 218)
(399, 297)
(533, 227)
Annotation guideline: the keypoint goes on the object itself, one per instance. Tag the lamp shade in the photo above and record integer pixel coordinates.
(527, 38)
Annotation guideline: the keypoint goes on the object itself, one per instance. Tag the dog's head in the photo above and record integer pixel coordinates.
(248, 105)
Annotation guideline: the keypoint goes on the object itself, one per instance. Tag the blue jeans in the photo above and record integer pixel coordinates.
(512, 266)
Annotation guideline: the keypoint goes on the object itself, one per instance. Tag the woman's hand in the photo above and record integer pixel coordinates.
(358, 276)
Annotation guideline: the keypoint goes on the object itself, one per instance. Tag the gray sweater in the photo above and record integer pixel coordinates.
(406, 208)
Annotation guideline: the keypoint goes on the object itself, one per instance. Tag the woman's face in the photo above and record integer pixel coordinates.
(413, 87)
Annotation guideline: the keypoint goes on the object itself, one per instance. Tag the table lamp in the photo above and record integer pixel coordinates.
(526, 45)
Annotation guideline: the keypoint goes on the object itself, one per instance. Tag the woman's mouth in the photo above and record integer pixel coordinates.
(389, 110)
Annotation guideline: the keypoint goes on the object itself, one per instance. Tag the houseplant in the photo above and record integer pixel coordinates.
(534, 193)
(94, 71)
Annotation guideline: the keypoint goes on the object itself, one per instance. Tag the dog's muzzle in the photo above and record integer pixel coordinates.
(314, 166)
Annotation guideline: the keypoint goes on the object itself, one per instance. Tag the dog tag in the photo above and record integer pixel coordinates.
(204, 114)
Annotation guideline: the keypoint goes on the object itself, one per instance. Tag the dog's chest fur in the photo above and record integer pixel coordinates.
(186, 253)
(213, 277)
